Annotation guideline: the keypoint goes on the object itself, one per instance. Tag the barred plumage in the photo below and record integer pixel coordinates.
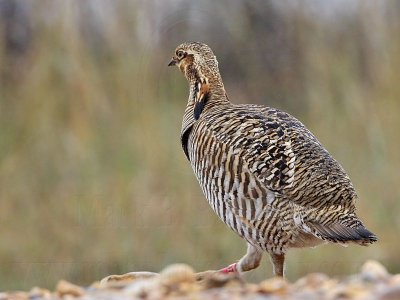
(262, 171)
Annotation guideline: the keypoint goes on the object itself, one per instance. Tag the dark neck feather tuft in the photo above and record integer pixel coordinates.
(199, 106)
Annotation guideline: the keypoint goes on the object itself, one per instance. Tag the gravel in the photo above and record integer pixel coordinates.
(179, 281)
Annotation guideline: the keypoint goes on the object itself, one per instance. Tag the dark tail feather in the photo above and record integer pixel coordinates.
(339, 233)
(367, 236)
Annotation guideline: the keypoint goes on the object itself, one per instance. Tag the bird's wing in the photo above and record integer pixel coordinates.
(284, 155)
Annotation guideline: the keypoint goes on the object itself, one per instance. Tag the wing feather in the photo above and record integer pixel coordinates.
(284, 155)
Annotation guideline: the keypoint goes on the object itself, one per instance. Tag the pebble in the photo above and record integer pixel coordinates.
(120, 280)
(275, 285)
(39, 293)
(373, 271)
(177, 274)
(64, 288)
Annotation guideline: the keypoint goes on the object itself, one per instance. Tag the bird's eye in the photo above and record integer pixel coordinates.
(180, 54)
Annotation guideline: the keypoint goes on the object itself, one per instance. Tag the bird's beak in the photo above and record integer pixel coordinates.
(173, 62)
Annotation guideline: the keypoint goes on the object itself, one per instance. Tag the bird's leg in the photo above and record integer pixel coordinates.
(248, 262)
(278, 260)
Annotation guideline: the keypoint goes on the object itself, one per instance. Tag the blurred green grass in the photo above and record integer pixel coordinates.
(92, 177)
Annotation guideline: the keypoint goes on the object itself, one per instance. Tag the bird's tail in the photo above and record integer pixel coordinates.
(339, 233)
(343, 233)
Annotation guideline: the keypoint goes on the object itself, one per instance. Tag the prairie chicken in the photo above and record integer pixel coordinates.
(262, 171)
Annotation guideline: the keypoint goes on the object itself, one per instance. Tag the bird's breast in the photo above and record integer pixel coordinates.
(233, 192)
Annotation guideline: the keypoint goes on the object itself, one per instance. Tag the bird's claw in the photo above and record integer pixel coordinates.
(230, 269)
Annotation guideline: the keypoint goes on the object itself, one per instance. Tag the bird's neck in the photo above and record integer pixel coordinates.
(204, 95)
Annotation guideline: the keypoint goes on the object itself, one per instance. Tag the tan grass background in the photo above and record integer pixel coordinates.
(92, 177)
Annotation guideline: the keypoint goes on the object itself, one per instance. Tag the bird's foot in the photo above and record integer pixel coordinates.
(229, 269)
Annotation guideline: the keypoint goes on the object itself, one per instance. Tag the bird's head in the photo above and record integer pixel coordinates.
(195, 60)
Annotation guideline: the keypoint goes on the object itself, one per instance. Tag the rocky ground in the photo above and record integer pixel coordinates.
(181, 282)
